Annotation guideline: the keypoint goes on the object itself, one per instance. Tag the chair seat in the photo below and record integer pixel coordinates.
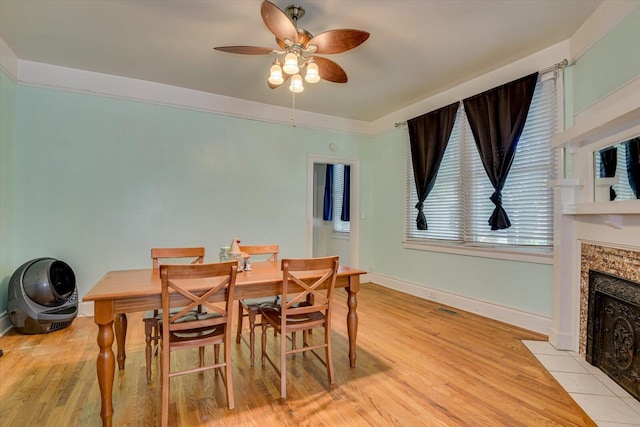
(198, 333)
(151, 316)
(275, 314)
(255, 303)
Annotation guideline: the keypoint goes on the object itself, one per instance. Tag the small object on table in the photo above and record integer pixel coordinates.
(236, 254)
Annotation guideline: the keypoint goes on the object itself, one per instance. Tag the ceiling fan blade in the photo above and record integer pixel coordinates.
(277, 22)
(285, 76)
(330, 71)
(337, 41)
(246, 50)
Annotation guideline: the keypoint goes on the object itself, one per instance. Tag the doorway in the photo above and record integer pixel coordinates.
(322, 239)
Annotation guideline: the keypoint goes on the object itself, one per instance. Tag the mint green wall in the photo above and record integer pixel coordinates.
(7, 116)
(610, 63)
(522, 286)
(99, 181)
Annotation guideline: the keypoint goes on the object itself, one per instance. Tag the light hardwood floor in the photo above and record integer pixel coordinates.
(417, 365)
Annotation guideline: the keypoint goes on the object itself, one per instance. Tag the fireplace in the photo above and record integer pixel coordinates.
(613, 329)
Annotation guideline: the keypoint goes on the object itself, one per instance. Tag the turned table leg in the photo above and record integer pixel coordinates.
(352, 318)
(121, 337)
(103, 316)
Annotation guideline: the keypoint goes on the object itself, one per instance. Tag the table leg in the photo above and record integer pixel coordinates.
(103, 316)
(352, 323)
(121, 337)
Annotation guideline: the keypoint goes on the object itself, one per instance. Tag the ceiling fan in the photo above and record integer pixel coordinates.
(298, 47)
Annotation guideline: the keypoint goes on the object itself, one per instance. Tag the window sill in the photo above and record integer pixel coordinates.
(533, 256)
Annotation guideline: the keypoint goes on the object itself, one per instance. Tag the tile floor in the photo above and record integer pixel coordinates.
(608, 404)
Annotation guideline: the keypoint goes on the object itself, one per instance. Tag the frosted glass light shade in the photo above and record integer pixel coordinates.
(296, 84)
(275, 75)
(312, 75)
(290, 63)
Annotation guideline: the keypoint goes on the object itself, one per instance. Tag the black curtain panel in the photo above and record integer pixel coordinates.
(429, 135)
(497, 118)
(633, 165)
(327, 213)
(346, 194)
(608, 166)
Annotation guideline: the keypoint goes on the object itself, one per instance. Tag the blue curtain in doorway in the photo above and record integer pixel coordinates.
(327, 213)
(346, 194)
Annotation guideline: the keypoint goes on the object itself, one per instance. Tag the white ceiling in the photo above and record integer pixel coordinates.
(417, 48)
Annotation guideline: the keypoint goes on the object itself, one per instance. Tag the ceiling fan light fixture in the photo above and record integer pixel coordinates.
(312, 75)
(291, 63)
(298, 46)
(275, 74)
(296, 84)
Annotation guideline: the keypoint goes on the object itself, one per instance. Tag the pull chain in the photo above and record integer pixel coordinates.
(293, 109)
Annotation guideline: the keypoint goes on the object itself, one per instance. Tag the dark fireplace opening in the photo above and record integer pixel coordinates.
(613, 329)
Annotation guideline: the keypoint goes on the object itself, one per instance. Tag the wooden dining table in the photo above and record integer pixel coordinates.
(127, 291)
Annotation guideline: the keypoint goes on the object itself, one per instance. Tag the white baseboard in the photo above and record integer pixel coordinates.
(5, 323)
(530, 321)
(85, 309)
(563, 341)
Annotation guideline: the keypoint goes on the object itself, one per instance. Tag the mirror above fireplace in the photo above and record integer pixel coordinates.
(617, 171)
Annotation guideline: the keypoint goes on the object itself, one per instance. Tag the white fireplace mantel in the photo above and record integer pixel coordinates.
(578, 217)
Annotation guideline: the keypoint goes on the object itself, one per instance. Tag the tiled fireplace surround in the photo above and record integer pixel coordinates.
(618, 262)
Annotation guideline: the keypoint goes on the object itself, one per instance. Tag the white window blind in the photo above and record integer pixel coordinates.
(339, 226)
(459, 206)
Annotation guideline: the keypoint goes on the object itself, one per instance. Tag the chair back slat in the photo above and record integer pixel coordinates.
(272, 250)
(179, 279)
(157, 254)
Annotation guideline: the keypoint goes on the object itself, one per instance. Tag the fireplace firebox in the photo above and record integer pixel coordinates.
(613, 329)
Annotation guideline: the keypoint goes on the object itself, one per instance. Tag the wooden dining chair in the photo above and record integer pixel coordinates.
(152, 318)
(297, 312)
(198, 284)
(250, 307)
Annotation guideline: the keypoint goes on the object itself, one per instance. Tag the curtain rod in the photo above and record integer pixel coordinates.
(560, 65)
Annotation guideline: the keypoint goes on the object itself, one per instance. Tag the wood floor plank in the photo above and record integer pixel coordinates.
(417, 365)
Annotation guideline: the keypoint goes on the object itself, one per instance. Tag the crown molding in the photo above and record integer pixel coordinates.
(68, 79)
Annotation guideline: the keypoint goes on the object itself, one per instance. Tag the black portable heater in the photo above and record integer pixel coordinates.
(42, 296)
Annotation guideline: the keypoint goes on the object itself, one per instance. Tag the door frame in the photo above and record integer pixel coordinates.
(354, 201)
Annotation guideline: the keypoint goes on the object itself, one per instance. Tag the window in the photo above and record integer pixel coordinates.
(339, 226)
(458, 207)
